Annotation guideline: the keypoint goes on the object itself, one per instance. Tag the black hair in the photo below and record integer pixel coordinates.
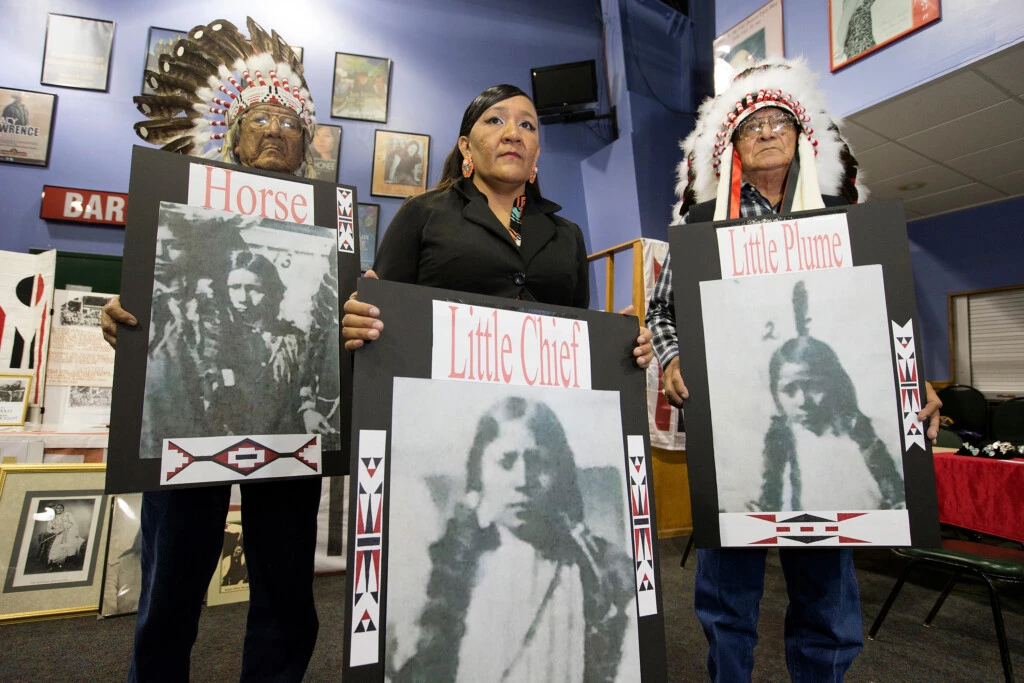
(452, 169)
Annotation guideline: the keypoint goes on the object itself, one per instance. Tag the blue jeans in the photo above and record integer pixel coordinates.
(823, 631)
(182, 538)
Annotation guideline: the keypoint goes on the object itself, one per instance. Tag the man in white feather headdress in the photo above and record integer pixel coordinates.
(766, 145)
(222, 96)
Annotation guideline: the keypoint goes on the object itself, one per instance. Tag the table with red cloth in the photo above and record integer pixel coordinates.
(981, 494)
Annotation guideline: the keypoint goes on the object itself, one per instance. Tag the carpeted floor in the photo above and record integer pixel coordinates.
(960, 646)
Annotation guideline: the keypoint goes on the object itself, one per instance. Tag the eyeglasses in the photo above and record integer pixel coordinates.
(778, 123)
(262, 119)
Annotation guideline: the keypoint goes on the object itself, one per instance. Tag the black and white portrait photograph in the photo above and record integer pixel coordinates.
(510, 552)
(57, 544)
(230, 581)
(243, 338)
(805, 359)
(122, 578)
(14, 393)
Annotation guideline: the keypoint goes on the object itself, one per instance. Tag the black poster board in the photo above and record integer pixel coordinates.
(437, 460)
(159, 190)
(795, 354)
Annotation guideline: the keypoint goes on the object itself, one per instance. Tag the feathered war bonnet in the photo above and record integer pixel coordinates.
(711, 168)
(210, 79)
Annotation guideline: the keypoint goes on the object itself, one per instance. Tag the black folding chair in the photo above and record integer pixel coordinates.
(991, 563)
(1008, 421)
(967, 408)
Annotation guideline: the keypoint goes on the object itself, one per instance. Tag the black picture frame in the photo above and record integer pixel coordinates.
(77, 52)
(361, 88)
(159, 177)
(23, 141)
(877, 246)
(159, 41)
(326, 148)
(396, 171)
(369, 232)
(404, 356)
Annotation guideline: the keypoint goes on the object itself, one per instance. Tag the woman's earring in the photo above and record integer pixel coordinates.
(533, 176)
(467, 167)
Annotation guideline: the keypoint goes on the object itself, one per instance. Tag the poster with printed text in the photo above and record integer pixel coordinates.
(501, 519)
(26, 124)
(798, 318)
(238, 297)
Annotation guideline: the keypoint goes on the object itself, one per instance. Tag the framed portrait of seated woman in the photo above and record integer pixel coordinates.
(52, 540)
(500, 508)
(804, 369)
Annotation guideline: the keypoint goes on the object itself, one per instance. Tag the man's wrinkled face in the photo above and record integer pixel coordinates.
(761, 148)
(270, 137)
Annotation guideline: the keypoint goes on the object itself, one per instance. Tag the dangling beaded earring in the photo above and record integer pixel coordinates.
(533, 176)
(467, 167)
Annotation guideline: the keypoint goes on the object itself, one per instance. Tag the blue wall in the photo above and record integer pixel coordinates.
(967, 31)
(972, 249)
(444, 52)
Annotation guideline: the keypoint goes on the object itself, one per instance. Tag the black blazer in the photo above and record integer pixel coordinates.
(705, 211)
(451, 239)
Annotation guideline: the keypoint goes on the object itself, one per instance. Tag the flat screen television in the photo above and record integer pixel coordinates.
(564, 88)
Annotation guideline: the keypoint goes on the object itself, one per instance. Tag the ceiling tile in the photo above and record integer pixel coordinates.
(1011, 183)
(861, 139)
(951, 200)
(930, 105)
(1007, 69)
(970, 133)
(993, 162)
(936, 178)
(888, 161)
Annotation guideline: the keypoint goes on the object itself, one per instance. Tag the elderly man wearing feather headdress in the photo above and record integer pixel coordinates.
(244, 101)
(766, 145)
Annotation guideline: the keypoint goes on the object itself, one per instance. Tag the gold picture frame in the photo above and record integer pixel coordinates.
(15, 391)
(51, 555)
(230, 582)
(400, 162)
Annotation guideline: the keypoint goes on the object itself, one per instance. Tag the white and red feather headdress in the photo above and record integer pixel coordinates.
(210, 78)
(827, 164)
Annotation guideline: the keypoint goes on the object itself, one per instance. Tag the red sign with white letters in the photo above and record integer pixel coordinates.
(83, 206)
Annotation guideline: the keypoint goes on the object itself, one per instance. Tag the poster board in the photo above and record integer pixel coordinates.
(801, 340)
(298, 238)
(569, 505)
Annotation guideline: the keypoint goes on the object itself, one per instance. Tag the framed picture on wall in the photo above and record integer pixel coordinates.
(77, 52)
(298, 51)
(161, 41)
(27, 124)
(56, 527)
(369, 219)
(753, 40)
(15, 390)
(326, 150)
(361, 87)
(859, 27)
(399, 164)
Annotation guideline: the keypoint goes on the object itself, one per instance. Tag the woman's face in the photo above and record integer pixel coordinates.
(802, 396)
(245, 290)
(504, 497)
(504, 142)
(58, 508)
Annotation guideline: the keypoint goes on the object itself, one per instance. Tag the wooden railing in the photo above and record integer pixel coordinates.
(639, 301)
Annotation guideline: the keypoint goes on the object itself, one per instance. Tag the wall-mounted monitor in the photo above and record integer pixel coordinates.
(563, 88)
